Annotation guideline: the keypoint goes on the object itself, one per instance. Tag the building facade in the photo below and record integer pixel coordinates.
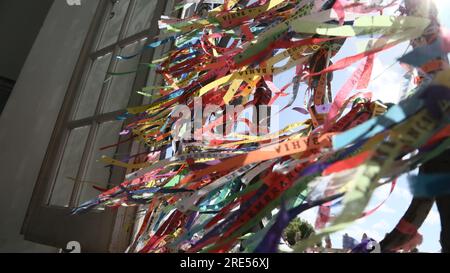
(62, 110)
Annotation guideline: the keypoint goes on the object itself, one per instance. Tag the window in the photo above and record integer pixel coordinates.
(88, 121)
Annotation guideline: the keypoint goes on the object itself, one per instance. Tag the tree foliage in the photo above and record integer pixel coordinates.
(297, 230)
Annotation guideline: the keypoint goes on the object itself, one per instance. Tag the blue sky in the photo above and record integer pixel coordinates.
(386, 85)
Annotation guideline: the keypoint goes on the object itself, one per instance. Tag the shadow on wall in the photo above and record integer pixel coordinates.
(20, 22)
(6, 86)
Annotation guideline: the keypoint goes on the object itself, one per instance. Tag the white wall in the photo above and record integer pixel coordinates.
(27, 121)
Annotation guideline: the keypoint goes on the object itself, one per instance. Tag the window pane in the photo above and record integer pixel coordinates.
(93, 87)
(68, 168)
(98, 173)
(121, 86)
(142, 16)
(114, 21)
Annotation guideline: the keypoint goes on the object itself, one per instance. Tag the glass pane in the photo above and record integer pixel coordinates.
(142, 16)
(98, 173)
(68, 168)
(93, 87)
(114, 21)
(153, 79)
(121, 86)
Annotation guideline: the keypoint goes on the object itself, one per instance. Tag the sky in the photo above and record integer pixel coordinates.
(386, 83)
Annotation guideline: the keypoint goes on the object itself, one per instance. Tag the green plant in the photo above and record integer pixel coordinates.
(297, 230)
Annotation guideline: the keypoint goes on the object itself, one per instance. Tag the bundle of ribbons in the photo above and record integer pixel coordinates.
(242, 188)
